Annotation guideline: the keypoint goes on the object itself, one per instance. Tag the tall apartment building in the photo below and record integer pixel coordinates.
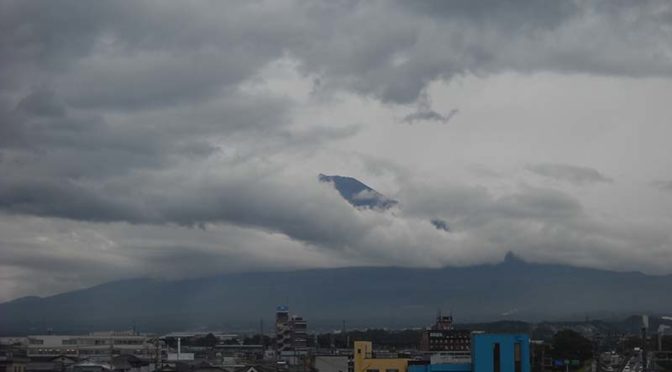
(290, 331)
(283, 332)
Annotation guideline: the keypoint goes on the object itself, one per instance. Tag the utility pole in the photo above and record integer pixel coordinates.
(261, 332)
(645, 325)
(157, 350)
(596, 353)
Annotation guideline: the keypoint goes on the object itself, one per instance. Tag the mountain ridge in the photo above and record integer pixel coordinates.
(363, 296)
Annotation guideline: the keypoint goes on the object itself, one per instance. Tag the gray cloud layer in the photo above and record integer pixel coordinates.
(569, 173)
(119, 116)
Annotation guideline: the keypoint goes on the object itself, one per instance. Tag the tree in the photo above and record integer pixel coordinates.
(209, 340)
(568, 344)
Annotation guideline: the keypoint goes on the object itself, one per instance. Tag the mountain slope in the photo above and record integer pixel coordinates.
(363, 297)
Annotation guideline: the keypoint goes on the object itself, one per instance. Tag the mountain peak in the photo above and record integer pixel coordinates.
(357, 193)
(512, 258)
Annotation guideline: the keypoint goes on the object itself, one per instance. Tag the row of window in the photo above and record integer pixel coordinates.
(87, 341)
(452, 348)
(81, 351)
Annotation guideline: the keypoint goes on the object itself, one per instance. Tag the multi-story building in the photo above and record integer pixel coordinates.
(299, 328)
(443, 338)
(291, 337)
(290, 331)
(13, 361)
(490, 353)
(283, 331)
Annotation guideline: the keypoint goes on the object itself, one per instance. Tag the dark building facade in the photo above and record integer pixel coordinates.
(443, 336)
(299, 328)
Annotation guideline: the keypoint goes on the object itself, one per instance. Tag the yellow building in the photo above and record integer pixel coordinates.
(365, 361)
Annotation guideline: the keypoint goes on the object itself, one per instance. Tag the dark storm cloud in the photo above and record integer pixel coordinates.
(569, 173)
(392, 50)
(137, 54)
(172, 81)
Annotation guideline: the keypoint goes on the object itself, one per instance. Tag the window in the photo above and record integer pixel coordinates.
(517, 365)
(496, 360)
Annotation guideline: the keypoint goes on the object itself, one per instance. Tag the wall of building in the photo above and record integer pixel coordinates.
(365, 362)
(483, 352)
(452, 367)
(331, 363)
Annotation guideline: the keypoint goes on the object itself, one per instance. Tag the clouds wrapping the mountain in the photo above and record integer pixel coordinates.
(177, 139)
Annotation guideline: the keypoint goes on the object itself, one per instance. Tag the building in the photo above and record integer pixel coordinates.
(298, 330)
(94, 346)
(13, 361)
(332, 363)
(291, 337)
(490, 353)
(290, 331)
(364, 360)
(91, 367)
(283, 332)
(501, 353)
(255, 368)
(443, 338)
(50, 364)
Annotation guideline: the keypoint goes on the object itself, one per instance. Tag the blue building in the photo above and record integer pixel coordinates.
(489, 353)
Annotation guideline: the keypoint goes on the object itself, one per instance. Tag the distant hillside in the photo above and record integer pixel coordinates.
(363, 297)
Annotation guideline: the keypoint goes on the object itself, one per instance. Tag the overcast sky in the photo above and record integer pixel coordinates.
(176, 139)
